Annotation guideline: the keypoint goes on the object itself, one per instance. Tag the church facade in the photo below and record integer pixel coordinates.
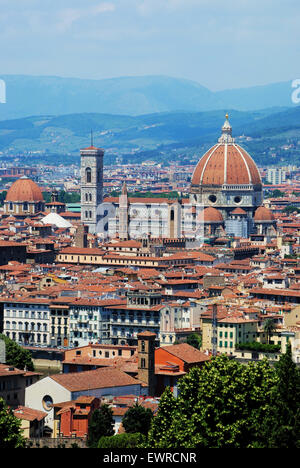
(226, 197)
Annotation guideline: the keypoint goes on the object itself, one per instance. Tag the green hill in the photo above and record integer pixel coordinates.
(160, 136)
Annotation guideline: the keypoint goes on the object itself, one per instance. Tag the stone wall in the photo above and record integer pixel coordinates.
(61, 442)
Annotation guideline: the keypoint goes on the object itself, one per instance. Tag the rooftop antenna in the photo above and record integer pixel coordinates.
(92, 139)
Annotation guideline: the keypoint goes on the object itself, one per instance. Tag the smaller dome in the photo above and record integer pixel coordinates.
(239, 211)
(24, 190)
(211, 215)
(263, 214)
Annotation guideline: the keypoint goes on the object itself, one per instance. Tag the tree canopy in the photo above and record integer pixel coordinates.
(16, 355)
(101, 424)
(137, 419)
(226, 404)
(121, 441)
(11, 434)
(281, 427)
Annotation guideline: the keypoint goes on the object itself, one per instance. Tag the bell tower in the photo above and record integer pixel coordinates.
(146, 360)
(123, 214)
(91, 188)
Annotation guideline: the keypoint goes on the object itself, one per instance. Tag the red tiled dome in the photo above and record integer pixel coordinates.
(211, 214)
(263, 214)
(24, 190)
(226, 164)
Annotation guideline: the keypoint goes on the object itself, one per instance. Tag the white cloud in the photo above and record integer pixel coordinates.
(68, 16)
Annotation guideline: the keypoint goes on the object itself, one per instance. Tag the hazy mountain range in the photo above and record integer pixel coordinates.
(152, 117)
(271, 135)
(51, 95)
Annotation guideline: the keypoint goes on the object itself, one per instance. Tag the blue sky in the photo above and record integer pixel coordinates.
(219, 43)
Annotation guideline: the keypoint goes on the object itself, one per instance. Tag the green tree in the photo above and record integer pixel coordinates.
(281, 427)
(11, 434)
(16, 355)
(220, 405)
(194, 340)
(291, 209)
(277, 194)
(159, 431)
(101, 424)
(137, 419)
(269, 327)
(121, 441)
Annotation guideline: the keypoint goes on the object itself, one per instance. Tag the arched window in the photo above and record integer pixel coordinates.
(90, 197)
(88, 175)
(86, 197)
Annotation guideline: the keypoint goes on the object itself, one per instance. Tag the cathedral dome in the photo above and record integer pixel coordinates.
(263, 214)
(211, 215)
(226, 163)
(24, 190)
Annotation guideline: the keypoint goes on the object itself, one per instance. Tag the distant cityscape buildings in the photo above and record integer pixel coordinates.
(276, 176)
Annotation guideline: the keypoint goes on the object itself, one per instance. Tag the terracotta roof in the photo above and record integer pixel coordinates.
(7, 370)
(100, 378)
(187, 353)
(92, 148)
(263, 214)
(24, 190)
(226, 164)
(29, 414)
(211, 214)
(238, 211)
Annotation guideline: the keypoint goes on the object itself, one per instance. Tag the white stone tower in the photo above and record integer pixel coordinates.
(91, 185)
(123, 214)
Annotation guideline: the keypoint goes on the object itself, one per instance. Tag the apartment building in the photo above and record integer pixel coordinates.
(122, 323)
(26, 321)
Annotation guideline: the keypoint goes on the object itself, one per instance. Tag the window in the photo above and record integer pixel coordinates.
(88, 175)
(47, 401)
(143, 363)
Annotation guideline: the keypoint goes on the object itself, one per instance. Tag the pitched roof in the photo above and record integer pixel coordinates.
(187, 353)
(100, 378)
(29, 414)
